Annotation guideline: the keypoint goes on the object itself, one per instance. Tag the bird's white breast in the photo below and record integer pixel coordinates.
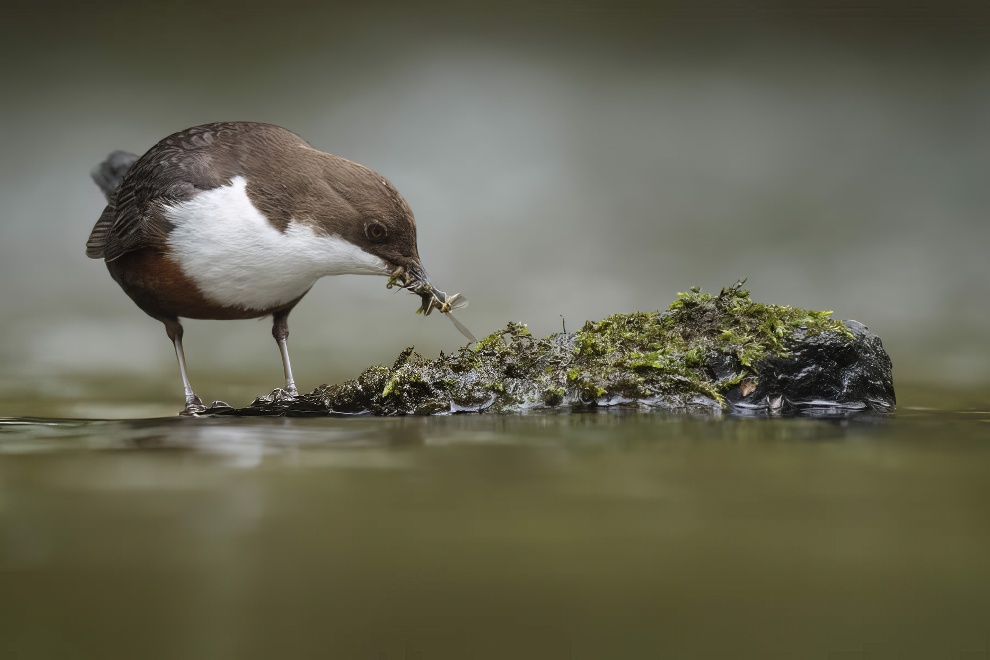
(238, 259)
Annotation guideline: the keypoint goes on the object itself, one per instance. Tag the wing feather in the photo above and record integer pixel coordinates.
(174, 170)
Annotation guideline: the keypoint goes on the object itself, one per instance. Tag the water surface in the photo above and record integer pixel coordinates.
(571, 536)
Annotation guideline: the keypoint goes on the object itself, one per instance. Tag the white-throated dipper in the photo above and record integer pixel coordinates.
(238, 220)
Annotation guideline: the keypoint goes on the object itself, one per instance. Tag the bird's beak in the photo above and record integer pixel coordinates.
(414, 277)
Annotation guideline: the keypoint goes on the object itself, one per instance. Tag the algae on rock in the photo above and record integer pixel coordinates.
(705, 352)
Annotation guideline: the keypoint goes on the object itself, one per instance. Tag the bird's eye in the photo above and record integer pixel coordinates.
(376, 231)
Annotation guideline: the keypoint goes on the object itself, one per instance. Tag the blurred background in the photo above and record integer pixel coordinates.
(563, 160)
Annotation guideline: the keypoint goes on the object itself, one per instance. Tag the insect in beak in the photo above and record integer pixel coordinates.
(418, 282)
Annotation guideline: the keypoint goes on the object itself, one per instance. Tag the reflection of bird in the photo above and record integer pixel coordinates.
(237, 220)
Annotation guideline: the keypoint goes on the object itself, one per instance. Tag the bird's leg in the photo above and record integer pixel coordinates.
(280, 330)
(194, 404)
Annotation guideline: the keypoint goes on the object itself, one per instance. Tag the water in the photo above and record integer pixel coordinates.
(570, 536)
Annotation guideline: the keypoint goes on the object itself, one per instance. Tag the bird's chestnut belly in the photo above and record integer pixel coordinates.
(157, 284)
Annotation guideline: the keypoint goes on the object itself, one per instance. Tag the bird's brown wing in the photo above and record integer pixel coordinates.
(173, 171)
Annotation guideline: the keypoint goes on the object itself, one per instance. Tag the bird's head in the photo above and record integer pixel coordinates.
(364, 208)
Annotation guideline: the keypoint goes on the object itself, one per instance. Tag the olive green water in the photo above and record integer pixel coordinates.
(564, 536)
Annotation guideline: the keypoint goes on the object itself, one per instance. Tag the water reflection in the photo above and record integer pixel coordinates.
(466, 536)
(263, 436)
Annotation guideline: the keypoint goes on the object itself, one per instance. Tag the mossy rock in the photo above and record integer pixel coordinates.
(705, 353)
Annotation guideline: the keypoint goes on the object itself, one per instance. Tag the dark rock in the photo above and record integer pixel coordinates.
(706, 353)
(824, 375)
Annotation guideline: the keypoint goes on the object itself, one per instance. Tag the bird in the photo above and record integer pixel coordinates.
(238, 220)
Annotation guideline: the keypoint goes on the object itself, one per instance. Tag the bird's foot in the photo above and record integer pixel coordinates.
(276, 396)
(194, 406)
(279, 394)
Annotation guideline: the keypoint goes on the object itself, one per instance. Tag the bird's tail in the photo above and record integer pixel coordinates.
(111, 171)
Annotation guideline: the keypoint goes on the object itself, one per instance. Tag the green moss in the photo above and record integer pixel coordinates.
(553, 396)
(703, 345)
(674, 352)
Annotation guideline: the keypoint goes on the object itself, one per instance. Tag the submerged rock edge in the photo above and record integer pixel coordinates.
(706, 353)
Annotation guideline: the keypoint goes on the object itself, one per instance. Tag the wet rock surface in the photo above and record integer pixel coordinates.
(705, 354)
(822, 376)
